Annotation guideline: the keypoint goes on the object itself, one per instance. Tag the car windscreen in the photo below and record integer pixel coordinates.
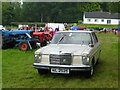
(83, 38)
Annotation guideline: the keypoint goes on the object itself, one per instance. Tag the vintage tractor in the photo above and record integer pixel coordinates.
(42, 37)
(22, 38)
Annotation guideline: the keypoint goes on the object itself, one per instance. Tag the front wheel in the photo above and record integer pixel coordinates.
(90, 72)
(97, 62)
(24, 46)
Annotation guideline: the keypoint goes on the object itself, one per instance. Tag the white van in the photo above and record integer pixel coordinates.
(2, 28)
(53, 26)
(20, 26)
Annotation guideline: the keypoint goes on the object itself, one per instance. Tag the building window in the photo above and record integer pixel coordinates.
(108, 21)
(89, 20)
(102, 20)
(95, 20)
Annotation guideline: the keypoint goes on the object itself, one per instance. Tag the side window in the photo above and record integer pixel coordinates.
(95, 38)
(96, 20)
(89, 20)
(91, 36)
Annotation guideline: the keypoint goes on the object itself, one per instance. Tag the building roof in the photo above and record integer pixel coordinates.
(105, 15)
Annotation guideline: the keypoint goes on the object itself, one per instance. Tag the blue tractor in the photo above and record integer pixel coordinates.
(22, 38)
(6, 40)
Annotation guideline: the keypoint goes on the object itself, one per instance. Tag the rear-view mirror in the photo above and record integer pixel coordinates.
(91, 45)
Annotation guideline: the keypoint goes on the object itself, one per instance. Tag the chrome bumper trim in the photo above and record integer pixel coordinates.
(71, 67)
(68, 66)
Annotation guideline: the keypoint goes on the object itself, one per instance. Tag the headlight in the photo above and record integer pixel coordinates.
(38, 58)
(85, 59)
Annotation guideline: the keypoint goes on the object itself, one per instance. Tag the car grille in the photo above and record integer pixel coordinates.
(61, 59)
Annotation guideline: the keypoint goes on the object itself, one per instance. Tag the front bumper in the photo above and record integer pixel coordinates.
(70, 67)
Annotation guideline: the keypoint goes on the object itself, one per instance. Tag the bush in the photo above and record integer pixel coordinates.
(80, 21)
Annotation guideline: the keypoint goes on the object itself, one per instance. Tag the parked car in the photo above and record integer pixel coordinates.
(69, 51)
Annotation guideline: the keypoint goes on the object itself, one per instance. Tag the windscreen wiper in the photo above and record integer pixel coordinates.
(82, 43)
(61, 38)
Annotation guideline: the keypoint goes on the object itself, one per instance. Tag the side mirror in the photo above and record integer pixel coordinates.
(91, 45)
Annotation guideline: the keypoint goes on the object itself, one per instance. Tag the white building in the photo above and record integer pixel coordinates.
(101, 18)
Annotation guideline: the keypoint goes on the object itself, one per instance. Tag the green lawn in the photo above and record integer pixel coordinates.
(98, 26)
(18, 72)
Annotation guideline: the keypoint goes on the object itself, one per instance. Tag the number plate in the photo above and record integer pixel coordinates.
(59, 70)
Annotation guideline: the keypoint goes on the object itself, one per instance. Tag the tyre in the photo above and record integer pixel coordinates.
(42, 71)
(4, 43)
(4, 46)
(97, 62)
(12, 43)
(43, 43)
(90, 72)
(24, 46)
(33, 44)
(7, 43)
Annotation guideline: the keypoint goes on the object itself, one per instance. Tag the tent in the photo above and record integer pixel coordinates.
(81, 28)
(74, 28)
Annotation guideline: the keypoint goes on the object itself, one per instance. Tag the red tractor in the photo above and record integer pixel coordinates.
(42, 37)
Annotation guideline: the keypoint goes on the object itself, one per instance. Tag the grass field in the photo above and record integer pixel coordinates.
(98, 26)
(18, 72)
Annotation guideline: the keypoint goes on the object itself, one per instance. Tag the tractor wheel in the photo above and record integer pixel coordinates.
(4, 46)
(12, 43)
(24, 46)
(33, 44)
(44, 43)
(7, 42)
(4, 43)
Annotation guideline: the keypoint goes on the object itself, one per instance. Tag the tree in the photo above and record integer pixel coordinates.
(114, 7)
(7, 12)
(53, 11)
(89, 6)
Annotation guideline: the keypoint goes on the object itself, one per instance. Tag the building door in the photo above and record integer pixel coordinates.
(108, 21)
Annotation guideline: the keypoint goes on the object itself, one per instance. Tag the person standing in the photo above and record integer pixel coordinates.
(41, 29)
(115, 31)
(105, 31)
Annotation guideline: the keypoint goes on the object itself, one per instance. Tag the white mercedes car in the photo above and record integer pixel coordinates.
(69, 51)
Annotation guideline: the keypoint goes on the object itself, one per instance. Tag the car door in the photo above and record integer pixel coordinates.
(96, 48)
